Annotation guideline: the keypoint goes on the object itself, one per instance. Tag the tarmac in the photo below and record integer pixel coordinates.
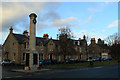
(29, 71)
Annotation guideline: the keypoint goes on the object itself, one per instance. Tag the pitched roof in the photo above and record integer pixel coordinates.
(103, 46)
(56, 41)
(19, 37)
(39, 39)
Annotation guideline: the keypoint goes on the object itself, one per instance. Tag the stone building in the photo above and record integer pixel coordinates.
(18, 46)
(99, 49)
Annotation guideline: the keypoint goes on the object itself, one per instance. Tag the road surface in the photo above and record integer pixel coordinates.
(91, 72)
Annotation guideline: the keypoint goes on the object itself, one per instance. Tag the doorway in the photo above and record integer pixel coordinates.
(51, 57)
(27, 59)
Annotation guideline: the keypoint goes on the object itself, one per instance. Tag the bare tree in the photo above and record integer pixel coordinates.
(66, 30)
(114, 43)
(112, 39)
(66, 43)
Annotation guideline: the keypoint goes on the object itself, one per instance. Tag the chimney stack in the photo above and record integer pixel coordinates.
(84, 37)
(11, 30)
(92, 40)
(25, 33)
(46, 36)
(100, 41)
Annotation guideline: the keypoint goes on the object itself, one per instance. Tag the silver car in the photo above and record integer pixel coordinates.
(6, 62)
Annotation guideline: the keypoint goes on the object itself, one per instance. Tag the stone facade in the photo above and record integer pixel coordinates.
(95, 50)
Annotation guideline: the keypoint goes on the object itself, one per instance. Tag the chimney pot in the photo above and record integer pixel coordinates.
(11, 29)
(25, 33)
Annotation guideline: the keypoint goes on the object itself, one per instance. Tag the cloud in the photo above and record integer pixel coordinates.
(63, 22)
(114, 24)
(86, 21)
(15, 13)
(90, 35)
(42, 25)
(51, 15)
(91, 10)
(89, 18)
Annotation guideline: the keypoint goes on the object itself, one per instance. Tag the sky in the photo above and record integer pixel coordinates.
(94, 19)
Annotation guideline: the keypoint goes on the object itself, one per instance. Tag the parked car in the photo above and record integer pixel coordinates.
(95, 59)
(110, 58)
(70, 60)
(44, 62)
(54, 62)
(6, 62)
(104, 59)
(80, 60)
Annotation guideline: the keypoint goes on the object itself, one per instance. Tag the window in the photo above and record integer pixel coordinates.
(25, 45)
(23, 56)
(14, 57)
(51, 47)
(76, 43)
(41, 44)
(41, 48)
(14, 54)
(80, 49)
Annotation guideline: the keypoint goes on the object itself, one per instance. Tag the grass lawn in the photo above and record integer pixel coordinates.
(78, 65)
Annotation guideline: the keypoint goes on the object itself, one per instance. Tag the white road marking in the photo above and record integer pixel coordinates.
(86, 68)
(98, 67)
(18, 76)
(8, 77)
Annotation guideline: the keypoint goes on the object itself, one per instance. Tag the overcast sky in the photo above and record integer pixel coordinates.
(95, 19)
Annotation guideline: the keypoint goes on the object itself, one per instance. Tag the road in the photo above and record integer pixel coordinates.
(91, 72)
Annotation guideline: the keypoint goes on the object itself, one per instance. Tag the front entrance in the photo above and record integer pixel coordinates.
(27, 59)
(35, 59)
(50, 56)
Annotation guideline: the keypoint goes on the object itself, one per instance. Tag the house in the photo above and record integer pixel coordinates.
(17, 45)
(99, 49)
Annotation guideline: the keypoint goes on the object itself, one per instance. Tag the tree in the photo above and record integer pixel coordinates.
(112, 39)
(66, 30)
(66, 43)
(114, 44)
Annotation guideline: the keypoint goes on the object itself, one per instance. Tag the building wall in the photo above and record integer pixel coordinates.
(11, 46)
(94, 51)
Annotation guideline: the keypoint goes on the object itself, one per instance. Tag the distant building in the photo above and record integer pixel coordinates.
(98, 49)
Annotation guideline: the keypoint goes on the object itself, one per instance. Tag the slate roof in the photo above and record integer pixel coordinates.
(20, 38)
(56, 42)
(39, 39)
(103, 46)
